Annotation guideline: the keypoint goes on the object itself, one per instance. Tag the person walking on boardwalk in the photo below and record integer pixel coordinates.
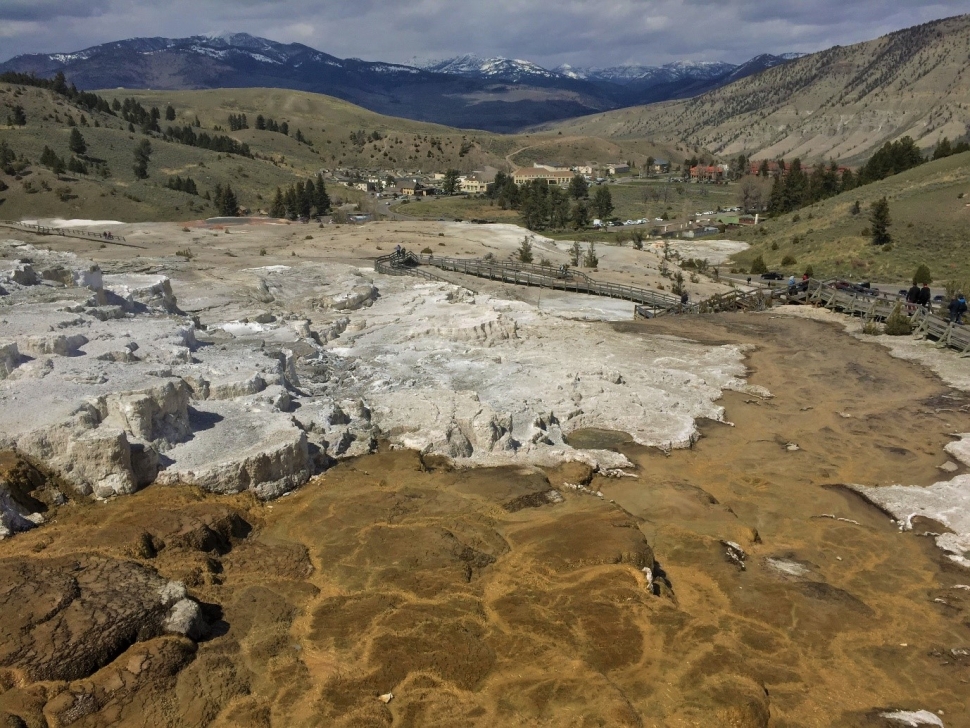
(684, 298)
(958, 307)
(912, 298)
(924, 296)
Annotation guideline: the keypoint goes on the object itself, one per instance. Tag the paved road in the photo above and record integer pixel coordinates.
(384, 208)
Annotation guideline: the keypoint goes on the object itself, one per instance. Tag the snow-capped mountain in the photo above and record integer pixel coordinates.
(669, 81)
(679, 70)
(447, 92)
(472, 66)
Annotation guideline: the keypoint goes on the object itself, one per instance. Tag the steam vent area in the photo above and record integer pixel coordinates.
(247, 478)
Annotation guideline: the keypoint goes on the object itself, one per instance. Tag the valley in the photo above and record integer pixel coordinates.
(305, 420)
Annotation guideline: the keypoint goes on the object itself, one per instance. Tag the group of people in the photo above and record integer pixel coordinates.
(920, 296)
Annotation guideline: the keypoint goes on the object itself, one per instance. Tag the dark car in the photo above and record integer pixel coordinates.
(772, 276)
(863, 288)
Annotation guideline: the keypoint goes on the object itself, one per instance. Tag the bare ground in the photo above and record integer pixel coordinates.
(477, 600)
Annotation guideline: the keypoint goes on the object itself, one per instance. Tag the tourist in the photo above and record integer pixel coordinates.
(912, 298)
(924, 296)
(958, 307)
(684, 298)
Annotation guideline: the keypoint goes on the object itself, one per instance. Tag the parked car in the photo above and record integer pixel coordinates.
(863, 288)
(772, 275)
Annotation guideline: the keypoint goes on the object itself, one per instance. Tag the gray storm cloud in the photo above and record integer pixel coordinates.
(549, 32)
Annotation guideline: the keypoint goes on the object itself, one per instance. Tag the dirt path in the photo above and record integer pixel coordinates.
(477, 599)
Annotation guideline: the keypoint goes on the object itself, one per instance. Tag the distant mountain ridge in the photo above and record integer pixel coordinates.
(494, 94)
(841, 103)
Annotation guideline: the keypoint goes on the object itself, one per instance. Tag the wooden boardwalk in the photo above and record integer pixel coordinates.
(650, 304)
(67, 233)
(925, 323)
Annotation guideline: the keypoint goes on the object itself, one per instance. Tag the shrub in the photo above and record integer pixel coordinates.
(774, 246)
(546, 262)
(788, 260)
(898, 324)
(525, 250)
(758, 265)
(922, 275)
(871, 328)
(185, 253)
(796, 217)
(262, 251)
(590, 259)
(426, 251)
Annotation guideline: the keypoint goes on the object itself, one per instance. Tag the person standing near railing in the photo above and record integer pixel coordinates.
(924, 296)
(958, 307)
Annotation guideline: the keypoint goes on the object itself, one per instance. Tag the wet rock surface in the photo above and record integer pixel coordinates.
(511, 595)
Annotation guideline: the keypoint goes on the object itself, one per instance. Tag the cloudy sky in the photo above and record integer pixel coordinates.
(549, 32)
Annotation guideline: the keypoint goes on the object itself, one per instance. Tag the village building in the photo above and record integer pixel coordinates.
(525, 175)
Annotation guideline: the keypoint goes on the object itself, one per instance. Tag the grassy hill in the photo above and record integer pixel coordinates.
(403, 147)
(841, 103)
(930, 210)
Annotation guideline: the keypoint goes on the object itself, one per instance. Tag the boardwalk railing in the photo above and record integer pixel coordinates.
(64, 232)
(926, 324)
(650, 304)
(543, 276)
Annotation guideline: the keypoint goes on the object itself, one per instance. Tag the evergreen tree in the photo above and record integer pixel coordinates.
(285, 128)
(291, 201)
(261, 123)
(580, 215)
(451, 183)
(170, 113)
(142, 154)
(305, 196)
(590, 259)
(759, 266)
(764, 170)
(879, 222)
(60, 84)
(49, 159)
(559, 212)
(278, 208)
(575, 254)
(323, 199)
(230, 205)
(534, 206)
(603, 202)
(922, 275)
(578, 187)
(77, 143)
(19, 116)
(525, 250)
(76, 166)
(795, 193)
